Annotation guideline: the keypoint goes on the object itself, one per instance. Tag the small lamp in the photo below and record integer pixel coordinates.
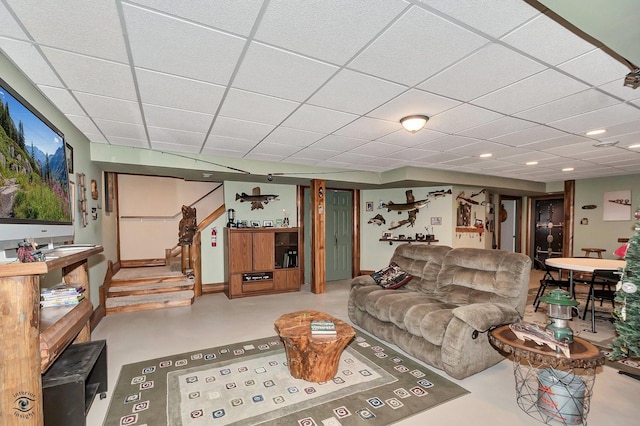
(413, 123)
(561, 307)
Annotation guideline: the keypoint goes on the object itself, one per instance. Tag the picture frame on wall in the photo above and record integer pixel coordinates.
(109, 191)
(617, 205)
(69, 153)
(436, 221)
(369, 206)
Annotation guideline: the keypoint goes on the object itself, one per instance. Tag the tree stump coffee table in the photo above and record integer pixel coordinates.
(313, 358)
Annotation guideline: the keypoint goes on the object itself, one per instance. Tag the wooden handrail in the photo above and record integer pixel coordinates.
(213, 216)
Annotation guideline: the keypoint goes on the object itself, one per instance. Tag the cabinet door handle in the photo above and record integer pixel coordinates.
(336, 238)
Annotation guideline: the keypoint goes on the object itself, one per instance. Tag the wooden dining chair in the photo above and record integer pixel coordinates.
(605, 280)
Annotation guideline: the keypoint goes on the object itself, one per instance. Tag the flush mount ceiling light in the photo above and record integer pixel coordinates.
(413, 123)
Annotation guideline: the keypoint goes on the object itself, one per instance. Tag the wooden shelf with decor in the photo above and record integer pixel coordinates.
(32, 339)
(406, 240)
(261, 261)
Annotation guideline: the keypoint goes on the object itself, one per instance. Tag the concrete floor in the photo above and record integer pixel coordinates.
(213, 320)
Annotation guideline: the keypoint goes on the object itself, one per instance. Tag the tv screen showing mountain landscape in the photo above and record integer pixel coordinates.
(34, 183)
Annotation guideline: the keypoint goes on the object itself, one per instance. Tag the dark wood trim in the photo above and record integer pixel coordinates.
(213, 288)
(318, 230)
(355, 238)
(569, 211)
(301, 227)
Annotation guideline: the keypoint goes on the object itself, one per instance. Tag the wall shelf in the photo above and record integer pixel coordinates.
(406, 240)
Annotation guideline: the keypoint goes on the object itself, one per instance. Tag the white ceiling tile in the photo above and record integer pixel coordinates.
(503, 16)
(356, 93)
(27, 57)
(540, 38)
(313, 153)
(627, 139)
(536, 90)
(529, 135)
(352, 158)
(223, 152)
(488, 69)
(495, 128)
(170, 147)
(236, 16)
(571, 105)
(129, 142)
(255, 107)
(8, 26)
(318, 119)
(63, 100)
(175, 136)
(408, 58)
(164, 44)
(595, 67)
(278, 73)
(83, 123)
(411, 154)
(403, 138)
(461, 117)
(542, 142)
(413, 102)
(91, 75)
(447, 143)
(240, 129)
(178, 92)
(332, 30)
(601, 118)
(292, 137)
(368, 128)
(110, 108)
(384, 163)
(121, 130)
(338, 143)
(228, 143)
(95, 137)
(617, 89)
(281, 150)
(377, 149)
(477, 148)
(620, 130)
(177, 119)
(90, 28)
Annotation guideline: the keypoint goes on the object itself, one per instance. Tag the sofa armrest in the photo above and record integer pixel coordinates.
(483, 316)
(362, 280)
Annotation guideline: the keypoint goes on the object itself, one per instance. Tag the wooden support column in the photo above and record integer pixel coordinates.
(569, 212)
(318, 259)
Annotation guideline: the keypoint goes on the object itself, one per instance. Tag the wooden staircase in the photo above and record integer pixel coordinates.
(137, 288)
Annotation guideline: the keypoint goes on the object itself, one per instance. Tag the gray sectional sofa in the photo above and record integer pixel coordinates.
(442, 315)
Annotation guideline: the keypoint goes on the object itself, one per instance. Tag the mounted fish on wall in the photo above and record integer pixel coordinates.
(256, 199)
(377, 219)
(411, 207)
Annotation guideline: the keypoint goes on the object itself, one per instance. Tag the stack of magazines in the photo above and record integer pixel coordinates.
(61, 295)
(326, 327)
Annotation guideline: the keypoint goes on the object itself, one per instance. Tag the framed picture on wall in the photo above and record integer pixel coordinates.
(617, 205)
(109, 191)
(369, 206)
(69, 152)
(436, 221)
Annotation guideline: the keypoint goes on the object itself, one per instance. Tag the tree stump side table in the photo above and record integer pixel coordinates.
(549, 386)
(311, 357)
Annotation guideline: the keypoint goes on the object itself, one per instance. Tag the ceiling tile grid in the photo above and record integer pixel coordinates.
(326, 83)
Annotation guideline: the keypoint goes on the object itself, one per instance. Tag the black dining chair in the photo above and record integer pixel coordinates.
(601, 287)
(548, 280)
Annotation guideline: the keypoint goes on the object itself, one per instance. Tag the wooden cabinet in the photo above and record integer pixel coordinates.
(261, 261)
(31, 343)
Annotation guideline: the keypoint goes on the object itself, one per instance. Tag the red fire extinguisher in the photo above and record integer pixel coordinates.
(214, 237)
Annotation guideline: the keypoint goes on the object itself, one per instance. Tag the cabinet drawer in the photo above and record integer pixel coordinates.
(263, 285)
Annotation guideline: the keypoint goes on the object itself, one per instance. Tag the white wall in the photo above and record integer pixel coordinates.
(158, 196)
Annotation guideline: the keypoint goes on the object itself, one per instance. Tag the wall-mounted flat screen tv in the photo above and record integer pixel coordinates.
(34, 180)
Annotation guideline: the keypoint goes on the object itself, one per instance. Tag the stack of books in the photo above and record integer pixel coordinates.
(326, 327)
(61, 295)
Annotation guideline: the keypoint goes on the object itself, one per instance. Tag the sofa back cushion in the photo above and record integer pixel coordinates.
(423, 262)
(471, 275)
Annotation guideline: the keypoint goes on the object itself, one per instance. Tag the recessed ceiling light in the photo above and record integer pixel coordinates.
(637, 145)
(567, 169)
(596, 132)
(531, 163)
(485, 155)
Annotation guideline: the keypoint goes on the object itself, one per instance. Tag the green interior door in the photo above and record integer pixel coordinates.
(338, 234)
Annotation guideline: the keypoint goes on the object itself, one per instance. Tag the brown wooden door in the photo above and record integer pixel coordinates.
(263, 251)
(240, 252)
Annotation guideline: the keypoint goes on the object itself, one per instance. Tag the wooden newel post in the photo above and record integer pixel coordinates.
(20, 352)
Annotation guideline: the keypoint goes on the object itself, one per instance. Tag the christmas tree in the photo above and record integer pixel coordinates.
(627, 310)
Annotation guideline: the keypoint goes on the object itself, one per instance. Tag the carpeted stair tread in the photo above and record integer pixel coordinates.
(149, 301)
(150, 288)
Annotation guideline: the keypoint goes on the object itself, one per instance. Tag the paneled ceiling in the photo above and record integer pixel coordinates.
(325, 83)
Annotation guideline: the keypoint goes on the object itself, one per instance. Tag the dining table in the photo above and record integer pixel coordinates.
(584, 264)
